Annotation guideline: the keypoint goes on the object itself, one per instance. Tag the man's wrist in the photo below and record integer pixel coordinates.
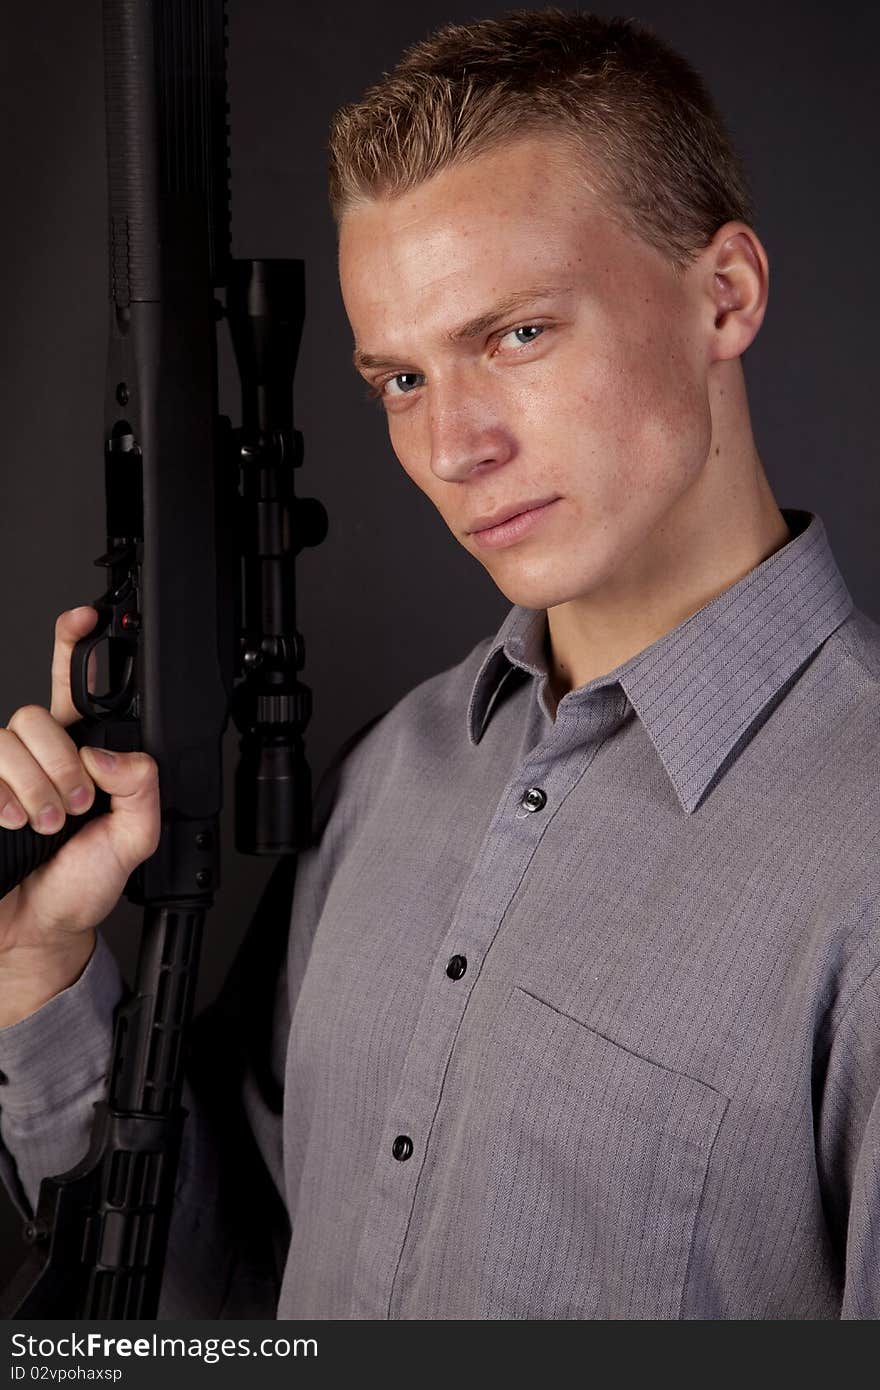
(41, 976)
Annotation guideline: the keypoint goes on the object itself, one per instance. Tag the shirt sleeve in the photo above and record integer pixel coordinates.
(849, 1149)
(55, 1064)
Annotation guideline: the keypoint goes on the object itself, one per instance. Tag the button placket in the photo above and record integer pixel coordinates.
(492, 884)
(497, 872)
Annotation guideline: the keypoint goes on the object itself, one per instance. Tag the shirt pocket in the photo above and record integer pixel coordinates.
(596, 1160)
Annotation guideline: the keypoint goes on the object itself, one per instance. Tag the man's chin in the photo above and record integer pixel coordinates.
(534, 592)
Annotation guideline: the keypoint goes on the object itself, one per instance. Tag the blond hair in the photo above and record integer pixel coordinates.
(653, 145)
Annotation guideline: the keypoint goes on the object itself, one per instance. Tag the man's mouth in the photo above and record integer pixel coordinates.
(488, 522)
(510, 524)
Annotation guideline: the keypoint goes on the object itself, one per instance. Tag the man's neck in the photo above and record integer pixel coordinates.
(592, 635)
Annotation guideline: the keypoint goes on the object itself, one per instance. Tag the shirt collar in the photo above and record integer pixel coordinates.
(700, 688)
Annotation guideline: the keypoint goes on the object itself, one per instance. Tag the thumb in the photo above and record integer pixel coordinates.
(121, 774)
(132, 779)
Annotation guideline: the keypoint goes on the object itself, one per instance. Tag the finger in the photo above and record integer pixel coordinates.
(42, 767)
(69, 628)
(132, 779)
(12, 814)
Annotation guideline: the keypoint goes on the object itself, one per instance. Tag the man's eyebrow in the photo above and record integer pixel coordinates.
(475, 327)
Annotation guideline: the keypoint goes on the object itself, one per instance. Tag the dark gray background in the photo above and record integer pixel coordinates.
(389, 598)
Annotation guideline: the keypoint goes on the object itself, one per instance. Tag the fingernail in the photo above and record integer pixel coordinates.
(49, 818)
(105, 760)
(78, 798)
(12, 815)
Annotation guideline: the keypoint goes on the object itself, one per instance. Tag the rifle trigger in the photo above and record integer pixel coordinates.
(113, 608)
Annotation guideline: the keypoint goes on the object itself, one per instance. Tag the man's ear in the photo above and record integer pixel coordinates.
(735, 278)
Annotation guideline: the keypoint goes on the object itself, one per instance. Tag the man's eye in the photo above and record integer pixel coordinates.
(403, 383)
(525, 335)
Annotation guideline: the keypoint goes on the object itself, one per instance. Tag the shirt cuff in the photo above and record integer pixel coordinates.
(58, 1050)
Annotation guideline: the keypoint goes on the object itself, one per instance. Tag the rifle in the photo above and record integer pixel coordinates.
(198, 619)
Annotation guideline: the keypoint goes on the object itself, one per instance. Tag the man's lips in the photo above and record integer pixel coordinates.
(510, 525)
(485, 523)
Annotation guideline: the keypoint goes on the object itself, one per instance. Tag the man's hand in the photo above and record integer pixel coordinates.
(47, 923)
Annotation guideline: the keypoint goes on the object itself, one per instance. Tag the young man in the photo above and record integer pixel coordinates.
(579, 1015)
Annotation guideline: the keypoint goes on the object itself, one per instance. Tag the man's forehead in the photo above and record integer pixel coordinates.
(511, 203)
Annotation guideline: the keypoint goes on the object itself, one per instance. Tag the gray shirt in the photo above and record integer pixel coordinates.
(580, 1018)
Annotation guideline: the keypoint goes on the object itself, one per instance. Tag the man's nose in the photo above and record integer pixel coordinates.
(466, 435)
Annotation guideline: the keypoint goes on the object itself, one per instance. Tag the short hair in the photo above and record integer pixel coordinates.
(654, 148)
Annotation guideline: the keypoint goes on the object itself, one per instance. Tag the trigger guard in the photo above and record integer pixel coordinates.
(95, 705)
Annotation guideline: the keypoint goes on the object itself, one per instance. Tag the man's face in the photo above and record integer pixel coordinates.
(528, 350)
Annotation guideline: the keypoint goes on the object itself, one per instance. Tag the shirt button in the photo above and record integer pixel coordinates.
(534, 799)
(402, 1147)
(456, 967)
